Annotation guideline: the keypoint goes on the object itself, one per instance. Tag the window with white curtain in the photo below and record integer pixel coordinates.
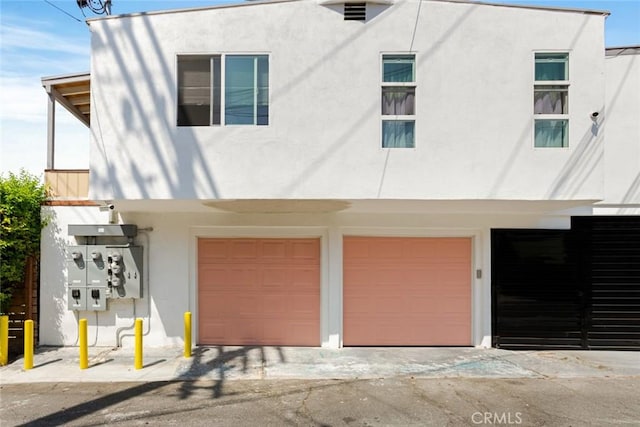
(398, 100)
(229, 89)
(551, 100)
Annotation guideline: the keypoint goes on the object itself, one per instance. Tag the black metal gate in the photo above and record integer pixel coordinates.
(610, 251)
(568, 289)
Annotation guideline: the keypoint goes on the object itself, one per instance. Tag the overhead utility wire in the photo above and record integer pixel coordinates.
(62, 10)
(415, 27)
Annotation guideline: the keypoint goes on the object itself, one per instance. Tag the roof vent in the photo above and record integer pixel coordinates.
(355, 11)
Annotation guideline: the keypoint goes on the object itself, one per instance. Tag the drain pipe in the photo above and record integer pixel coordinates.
(145, 232)
(126, 328)
(147, 293)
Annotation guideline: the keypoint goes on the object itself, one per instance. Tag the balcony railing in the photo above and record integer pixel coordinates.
(67, 184)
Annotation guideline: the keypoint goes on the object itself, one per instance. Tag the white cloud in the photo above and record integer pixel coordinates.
(21, 37)
(22, 99)
(31, 49)
(23, 144)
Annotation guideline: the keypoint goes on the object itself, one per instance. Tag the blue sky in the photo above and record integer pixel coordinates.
(38, 39)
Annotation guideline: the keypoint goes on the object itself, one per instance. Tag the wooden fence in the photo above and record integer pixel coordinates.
(24, 306)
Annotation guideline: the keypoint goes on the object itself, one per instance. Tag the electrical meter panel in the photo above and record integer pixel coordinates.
(96, 278)
(86, 273)
(76, 277)
(98, 272)
(124, 271)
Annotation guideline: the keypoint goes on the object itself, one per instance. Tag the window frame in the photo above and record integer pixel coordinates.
(222, 72)
(540, 85)
(398, 117)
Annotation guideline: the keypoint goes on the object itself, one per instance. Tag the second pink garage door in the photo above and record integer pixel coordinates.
(259, 291)
(407, 291)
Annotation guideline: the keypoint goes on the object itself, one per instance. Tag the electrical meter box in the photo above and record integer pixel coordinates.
(96, 277)
(76, 277)
(125, 271)
(87, 278)
(96, 272)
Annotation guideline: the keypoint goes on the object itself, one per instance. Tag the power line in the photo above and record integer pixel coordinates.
(63, 11)
(415, 27)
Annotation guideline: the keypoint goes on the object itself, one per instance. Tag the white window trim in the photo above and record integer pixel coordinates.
(536, 83)
(384, 117)
(398, 84)
(398, 117)
(223, 60)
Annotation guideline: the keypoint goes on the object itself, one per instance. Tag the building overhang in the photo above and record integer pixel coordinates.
(73, 92)
(360, 206)
(334, 2)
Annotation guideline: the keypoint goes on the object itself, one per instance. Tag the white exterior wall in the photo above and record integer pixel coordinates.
(474, 145)
(114, 327)
(622, 128)
(474, 105)
(170, 286)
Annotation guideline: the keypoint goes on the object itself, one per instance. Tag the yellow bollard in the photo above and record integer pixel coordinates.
(4, 340)
(28, 344)
(187, 334)
(137, 362)
(84, 351)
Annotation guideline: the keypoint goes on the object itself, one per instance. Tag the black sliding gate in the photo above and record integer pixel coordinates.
(567, 289)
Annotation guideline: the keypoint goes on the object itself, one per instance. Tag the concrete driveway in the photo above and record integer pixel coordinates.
(61, 364)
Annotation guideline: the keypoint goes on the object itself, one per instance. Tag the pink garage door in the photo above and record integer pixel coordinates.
(259, 291)
(407, 291)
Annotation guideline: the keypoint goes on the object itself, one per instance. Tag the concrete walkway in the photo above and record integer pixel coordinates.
(61, 364)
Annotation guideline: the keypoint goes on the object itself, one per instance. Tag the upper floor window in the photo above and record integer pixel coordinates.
(398, 101)
(551, 100)
(229, 89)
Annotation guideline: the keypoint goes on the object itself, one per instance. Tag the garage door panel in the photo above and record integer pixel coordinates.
(213, 249)
(245, 332)
(219, 304)
(407, 291)
(275, 279)
(240, 250)
(210, 276)
(276, 306)
(304, 305)
(227, 277)
(392, 250)
(357, 276)
(299, 334)
(305, 251)
(273, 250)
(259, 291)
(358, 305)
(429, 308)
(212, 332)
(245, 277)
(421, 249)
(385, 276)
(305, 279)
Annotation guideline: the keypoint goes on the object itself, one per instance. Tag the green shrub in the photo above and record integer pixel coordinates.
(21, 196)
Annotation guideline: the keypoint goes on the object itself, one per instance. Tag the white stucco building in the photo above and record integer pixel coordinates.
(329, 174)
